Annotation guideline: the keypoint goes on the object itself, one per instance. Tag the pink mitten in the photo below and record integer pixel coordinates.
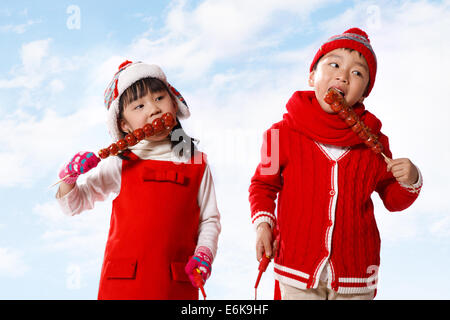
(81, 163)
(201, 260)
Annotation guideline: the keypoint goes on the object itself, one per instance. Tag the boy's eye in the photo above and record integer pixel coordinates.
(334, 65)
(356, 72)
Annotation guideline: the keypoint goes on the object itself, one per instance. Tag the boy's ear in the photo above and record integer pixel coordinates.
(311, 78)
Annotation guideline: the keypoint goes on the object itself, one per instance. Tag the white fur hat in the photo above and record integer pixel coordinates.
(130, 72)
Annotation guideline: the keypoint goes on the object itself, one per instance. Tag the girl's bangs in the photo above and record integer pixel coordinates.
(141, 88)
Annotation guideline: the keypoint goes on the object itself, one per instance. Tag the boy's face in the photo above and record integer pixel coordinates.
(146, 109)
(344, 70)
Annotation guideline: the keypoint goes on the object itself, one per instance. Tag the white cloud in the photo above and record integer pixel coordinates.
(441, 227)
(19, 28)
(83, 235)
(34, 146)
(38, 65)
(32, 54)
(193, 40)
(11, 263)
(29, 75)
(56, 86)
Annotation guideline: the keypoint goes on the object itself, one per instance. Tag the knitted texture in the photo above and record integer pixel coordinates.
(201, 260)
(81, 163)
(324, 209)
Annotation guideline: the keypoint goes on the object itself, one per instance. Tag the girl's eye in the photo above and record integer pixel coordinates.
(159, 98)
(139, 106)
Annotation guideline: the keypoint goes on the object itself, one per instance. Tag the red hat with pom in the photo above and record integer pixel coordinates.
(356, 39)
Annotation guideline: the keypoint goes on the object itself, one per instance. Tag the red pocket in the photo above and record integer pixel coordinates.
(121, 269)
(178, 273)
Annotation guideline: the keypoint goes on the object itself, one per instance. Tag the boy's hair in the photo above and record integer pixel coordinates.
(349, 50)
(143, 87)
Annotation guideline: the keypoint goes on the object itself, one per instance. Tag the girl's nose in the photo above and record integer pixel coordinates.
(155, 110)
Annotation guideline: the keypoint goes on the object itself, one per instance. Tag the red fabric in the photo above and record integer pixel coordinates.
(125, 63)
(153, 232)
(277, 293)
(304, 186)
(307, 116)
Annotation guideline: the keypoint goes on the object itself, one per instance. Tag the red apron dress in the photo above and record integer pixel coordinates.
(153, 231)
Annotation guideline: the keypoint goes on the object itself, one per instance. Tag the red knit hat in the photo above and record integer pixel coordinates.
(356, 39)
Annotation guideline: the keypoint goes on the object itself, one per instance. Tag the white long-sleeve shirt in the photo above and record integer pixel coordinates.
(106, 179)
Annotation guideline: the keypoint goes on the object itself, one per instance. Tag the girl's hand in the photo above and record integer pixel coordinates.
(264, 242)
(201, 260)
(403, 170)
(81, 163)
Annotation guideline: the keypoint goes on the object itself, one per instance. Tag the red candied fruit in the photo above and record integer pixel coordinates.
(371, 140)
(363, 134)
(343, 114)
(103, 153)
(139, 134)
(148, 130)
(333, 96)
(130, 139)
(113, 149)
(168, 120)
(357, 127)
(350, 120)
(122, 144)
(378, 148)
(158, 125)
(336, 107)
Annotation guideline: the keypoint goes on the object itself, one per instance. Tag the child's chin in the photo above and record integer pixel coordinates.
(160, 137)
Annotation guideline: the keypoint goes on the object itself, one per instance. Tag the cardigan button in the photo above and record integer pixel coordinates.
(332, 192)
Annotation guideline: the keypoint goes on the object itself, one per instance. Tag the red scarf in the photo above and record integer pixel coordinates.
(307, 116)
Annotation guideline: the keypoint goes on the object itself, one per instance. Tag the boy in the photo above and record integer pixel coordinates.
(328, 245)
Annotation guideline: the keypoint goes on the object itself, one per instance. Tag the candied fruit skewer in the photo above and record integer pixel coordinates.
(347, 114)
(166, 122)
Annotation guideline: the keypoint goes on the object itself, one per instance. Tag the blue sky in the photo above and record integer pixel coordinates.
(236, 63)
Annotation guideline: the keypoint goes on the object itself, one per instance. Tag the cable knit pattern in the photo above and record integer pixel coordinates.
(324, 210)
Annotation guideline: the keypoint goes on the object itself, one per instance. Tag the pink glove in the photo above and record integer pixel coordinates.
(202, 260)
(81, 163)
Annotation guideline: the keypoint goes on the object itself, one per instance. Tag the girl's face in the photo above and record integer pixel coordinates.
(146, 109)
(344, 70)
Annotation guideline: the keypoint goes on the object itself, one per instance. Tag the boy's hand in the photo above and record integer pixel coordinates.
(403, 170)
(264, 243)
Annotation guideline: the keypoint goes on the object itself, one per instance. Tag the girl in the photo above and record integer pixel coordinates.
(165, 223)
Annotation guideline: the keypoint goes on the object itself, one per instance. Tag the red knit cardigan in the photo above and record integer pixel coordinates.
(324, 209)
